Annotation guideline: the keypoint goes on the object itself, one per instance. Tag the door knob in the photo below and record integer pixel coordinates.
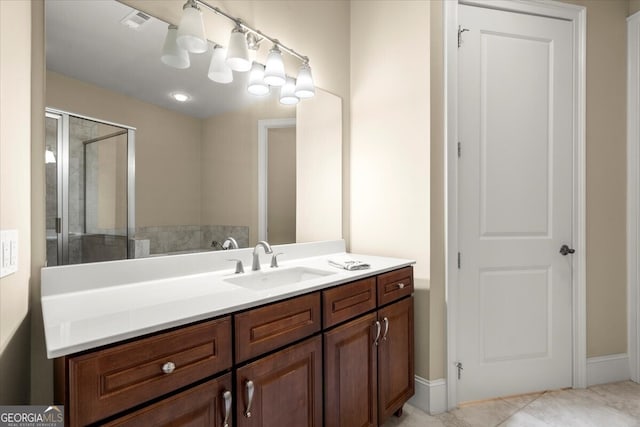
(565, 250)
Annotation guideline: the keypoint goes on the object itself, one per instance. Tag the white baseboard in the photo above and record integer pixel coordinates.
(607, 369)
(431, 396)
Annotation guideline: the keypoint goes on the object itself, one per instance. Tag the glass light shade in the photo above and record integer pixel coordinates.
(256, 85)
(304, 84)
(238, 54)
(219, 71)
(274, 70)
(49, 157)
(172, 54)
(191, 30)
(287, 93)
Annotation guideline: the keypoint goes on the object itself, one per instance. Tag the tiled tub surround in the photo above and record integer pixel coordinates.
(183, 238)
(89, 305)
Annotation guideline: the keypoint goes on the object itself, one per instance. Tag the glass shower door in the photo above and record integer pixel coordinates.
(53, 204)
(93, 189)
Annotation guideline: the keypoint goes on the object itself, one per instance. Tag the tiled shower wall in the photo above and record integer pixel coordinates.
(186, 238)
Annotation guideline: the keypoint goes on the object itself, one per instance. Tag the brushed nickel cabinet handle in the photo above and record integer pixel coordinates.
(378, 330)
(386, 329)
(249, 386)
(227, 407)
(168, 367)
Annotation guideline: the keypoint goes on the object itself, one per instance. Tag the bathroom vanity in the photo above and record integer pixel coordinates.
(332, 349)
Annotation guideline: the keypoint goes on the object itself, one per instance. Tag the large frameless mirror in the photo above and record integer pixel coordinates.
(198, 176)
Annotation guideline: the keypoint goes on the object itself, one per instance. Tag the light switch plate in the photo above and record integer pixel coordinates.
(8, 252)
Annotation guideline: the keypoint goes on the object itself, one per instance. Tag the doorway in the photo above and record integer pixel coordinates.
(277, 180)
(515, 304)
(89, 189)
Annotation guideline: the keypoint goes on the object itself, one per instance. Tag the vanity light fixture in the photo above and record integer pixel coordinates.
(243, 46)
(180, 96)
(219, 70)
(253, 44)
(191, 36)
(172, 54)
(238, 54)
(287, 93)
(274, 69)
(256, 85)
(304, 84)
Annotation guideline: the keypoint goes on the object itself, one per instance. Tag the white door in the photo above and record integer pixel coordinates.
(515, 199)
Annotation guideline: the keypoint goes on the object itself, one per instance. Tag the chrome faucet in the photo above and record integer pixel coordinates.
(255, 266)
(230, 243)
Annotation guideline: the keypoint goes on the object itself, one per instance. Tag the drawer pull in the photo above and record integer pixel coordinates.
(227, 407)
(168, 367)
(386, 329)
(400, 285)
(378, 330)
(249, 385)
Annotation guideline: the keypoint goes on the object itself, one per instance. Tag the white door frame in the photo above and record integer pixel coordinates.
(549, 8)
(633, 187)
(263, 168)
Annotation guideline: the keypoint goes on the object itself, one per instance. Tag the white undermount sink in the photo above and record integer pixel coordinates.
(274, 278)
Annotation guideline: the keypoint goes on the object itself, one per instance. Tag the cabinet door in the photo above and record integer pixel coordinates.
(350, 374)
(205, 405)
(286, 388)
(395, 357)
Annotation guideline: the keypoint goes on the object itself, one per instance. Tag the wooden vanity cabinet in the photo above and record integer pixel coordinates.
(396, 383)
(351, 374)
(205, 405)
(102, 383)
(368, 361)
(283, 388)
(342, 357)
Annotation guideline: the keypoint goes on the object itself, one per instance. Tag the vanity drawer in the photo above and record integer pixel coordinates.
(203, 405)
(266, 328)
(348, 301)
(395, 285)
(109, 381)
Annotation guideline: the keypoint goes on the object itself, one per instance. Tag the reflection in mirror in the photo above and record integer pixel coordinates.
(196, 162)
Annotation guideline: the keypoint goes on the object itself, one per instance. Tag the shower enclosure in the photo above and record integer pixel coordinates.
(90, 186)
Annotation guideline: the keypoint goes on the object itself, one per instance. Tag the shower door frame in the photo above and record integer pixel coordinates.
(62, 178)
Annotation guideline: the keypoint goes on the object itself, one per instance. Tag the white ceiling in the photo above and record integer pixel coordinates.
(85, 40)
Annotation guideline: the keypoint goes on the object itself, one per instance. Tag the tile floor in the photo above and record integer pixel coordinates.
(607, 405)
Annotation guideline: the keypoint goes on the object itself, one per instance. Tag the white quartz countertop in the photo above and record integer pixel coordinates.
(90, 305)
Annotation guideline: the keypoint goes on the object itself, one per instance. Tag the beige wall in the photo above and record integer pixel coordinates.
(230, 165)
(437, 307)
(167, 148)
(606, 176)
(318, 164)
(390, 141)
(15, 201)
(634, 6)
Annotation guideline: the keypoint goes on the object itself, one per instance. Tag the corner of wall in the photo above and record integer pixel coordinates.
(41, 368)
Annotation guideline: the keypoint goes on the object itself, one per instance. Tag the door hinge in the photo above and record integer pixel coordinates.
(460, 31)
(460, 369)
(459, 260)
(459, 149)
(58, 225)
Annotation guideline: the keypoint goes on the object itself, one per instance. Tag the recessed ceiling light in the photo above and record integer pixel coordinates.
(180, 96)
